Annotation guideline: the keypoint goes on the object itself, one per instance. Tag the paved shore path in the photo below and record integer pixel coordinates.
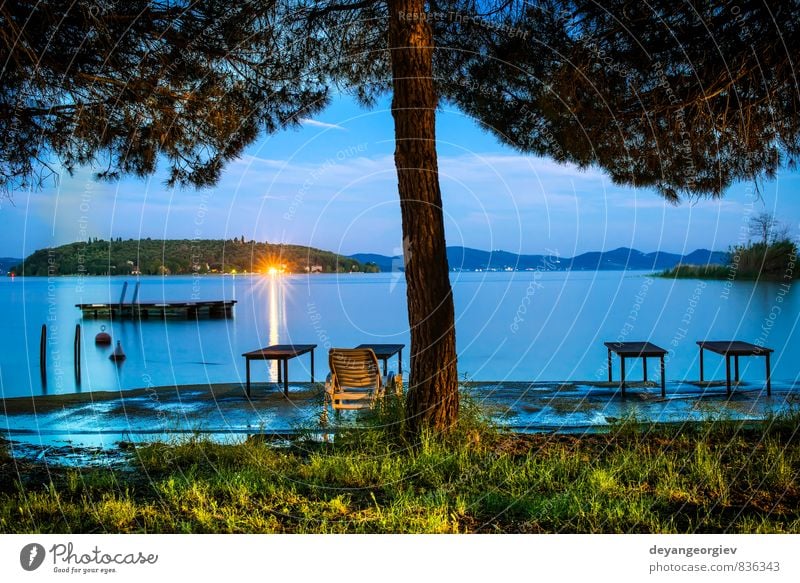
(223, 410)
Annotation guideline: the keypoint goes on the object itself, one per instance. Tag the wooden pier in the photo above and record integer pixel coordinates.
(136, 310)
(149, 310)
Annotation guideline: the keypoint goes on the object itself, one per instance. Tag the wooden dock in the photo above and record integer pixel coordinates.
(136, 310)
(147, 310)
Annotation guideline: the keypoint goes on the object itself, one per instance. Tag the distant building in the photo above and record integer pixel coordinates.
(314, 268)
(134, 268)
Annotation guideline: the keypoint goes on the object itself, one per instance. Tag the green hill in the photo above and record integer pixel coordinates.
(157, 257)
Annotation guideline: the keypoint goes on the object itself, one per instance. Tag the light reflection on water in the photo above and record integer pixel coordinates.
(510, 326)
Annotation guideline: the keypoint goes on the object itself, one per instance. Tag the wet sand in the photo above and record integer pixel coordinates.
(152, 413)
(133, 399)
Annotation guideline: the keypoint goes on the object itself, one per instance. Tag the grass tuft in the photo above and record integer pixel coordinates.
(687, 271)
(722, 476)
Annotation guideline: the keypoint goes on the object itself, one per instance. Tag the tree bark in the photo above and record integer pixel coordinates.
(433, 382)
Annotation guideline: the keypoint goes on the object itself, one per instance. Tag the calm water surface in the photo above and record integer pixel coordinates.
(510, 326)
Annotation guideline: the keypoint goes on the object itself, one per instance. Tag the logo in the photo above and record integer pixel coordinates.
(31, 556)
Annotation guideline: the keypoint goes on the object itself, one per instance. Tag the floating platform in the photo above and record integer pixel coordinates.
(217, 309)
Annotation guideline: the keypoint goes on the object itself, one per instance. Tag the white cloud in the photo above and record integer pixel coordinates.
(321, 124)
(495, 179)
(493, 200)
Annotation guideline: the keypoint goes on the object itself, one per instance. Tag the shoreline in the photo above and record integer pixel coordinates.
(159, 413)
(285, 273)
(206, 392)
(713, 477)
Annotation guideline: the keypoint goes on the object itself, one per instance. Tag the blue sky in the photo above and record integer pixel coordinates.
(332, 185)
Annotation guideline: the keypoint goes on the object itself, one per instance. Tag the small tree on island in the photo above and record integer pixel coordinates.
(684, 98)
(773, 253)
(767, 229)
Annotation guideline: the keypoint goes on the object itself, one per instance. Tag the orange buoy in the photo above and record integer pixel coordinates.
(118, 355)
(103, 338)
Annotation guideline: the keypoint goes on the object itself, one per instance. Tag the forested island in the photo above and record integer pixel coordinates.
(184, 256)
(771, 255)
(756, 261)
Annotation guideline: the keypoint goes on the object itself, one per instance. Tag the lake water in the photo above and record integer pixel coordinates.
(528, 326)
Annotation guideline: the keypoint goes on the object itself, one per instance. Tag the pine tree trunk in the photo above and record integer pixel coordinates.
(433, 384)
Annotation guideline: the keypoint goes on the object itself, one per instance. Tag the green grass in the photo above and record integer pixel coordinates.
(682, 271)
(5, 455)
(713, 477)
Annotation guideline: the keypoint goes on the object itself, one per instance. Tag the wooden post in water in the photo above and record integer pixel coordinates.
(77, 347)
(43, 355)
(122, 295)
(135, 293)
(134, 299)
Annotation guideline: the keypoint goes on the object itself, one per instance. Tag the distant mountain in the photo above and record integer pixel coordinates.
(7, 263)
(384, 263)
(705, 257)
(624, 258)
(466, 259)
